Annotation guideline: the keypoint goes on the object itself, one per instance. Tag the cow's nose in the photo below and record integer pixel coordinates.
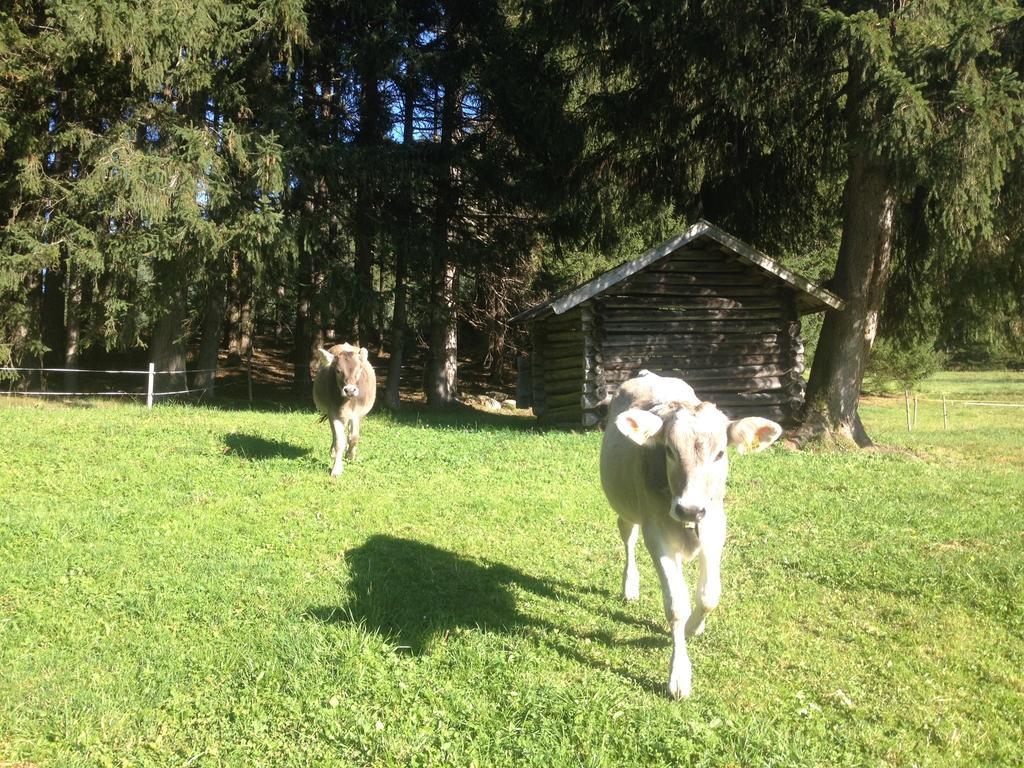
(690, 514)
(350, 390)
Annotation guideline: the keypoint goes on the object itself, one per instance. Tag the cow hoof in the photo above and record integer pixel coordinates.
(336, 472)
(679, 687)
(631, 586)
(694, 631)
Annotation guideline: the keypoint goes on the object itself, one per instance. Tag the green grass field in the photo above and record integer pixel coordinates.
(187, 587)
(996, 385)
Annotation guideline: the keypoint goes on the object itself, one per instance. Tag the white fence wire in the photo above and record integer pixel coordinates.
(946, 402)
(150, 373)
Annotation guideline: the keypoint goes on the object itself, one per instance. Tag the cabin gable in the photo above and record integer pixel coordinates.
(703, 306)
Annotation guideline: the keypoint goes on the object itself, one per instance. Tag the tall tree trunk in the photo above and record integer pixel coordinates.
(302, 335)
(492, 286)
(319, 321)
(240, 315)
(245, 319)
(494, 361)
(364, 229)
(233, 312)
(400, 320)
(52, 309)
(167, 350)
(53, 303)
(73, 324)
(363, 240)
(209, 342)
(399, 324)
(442, 377)
(279, 312)
(442, 374)
(29, 331)
(861, 275)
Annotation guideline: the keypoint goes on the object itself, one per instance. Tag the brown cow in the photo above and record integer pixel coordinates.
(344, 390)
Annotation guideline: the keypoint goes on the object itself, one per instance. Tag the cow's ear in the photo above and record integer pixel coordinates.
(364, 354)
(638, 425)
(324, 357)
(753, 434)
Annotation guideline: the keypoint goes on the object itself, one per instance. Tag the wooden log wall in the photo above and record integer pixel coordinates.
(559, 368)
(524, 381)
(537, 369)
(729, 329)
(594, 383)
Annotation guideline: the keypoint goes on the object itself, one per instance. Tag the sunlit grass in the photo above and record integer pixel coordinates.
(1002, 385)
(187, 586)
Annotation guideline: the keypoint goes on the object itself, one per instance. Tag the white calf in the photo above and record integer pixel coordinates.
(663, 469)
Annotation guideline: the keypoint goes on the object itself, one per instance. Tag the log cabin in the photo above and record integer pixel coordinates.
(703, 306)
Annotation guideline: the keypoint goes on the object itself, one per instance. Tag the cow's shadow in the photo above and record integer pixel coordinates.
(461, 417)
(412, 592)
(256, 448)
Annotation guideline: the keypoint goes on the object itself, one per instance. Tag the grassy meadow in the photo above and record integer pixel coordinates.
(187, 587)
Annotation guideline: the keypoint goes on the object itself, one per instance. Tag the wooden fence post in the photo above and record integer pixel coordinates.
(915, 411)
(149, 385)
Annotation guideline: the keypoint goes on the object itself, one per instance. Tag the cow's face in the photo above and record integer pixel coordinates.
(348, 370)
(694, 439)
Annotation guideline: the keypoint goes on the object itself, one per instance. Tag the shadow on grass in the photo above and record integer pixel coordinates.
(453, 417)
(255, 448)
(460, 417)
(277, 404)
(412, 593)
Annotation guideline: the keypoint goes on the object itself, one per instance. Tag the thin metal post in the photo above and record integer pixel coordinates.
(915, 410)
(149, 385)
(945, 417)
(906, 399)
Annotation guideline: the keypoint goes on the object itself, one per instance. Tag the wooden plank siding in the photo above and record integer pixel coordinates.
(703, 306)
(594, 381)
(558, 384)
(726, 328)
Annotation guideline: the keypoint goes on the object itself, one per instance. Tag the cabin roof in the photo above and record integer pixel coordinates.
(809, 296)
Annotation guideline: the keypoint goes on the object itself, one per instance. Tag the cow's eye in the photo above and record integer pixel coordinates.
(720, 455)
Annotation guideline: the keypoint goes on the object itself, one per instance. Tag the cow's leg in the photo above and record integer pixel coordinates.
(709, 583)
(353, 437)
(709, 590)
(631, 574)
(338, 428)
(334, 437)
(677, 607)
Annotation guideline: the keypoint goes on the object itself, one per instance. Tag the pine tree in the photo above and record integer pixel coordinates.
(117, 176)
(755, 116)
(931, 114)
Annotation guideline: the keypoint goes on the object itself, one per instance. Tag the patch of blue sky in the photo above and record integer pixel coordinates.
(202, 194)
